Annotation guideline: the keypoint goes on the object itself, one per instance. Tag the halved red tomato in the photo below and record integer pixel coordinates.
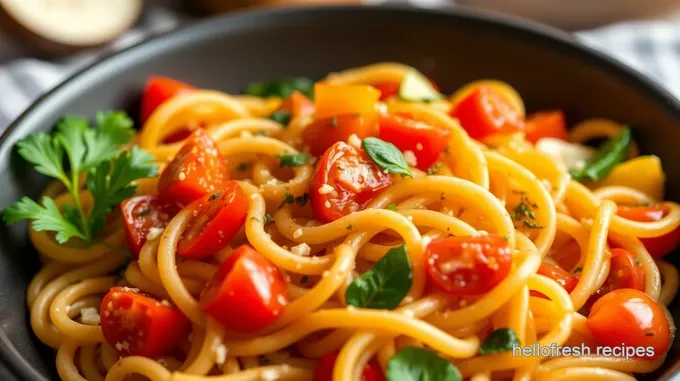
(657, 246)
(141, 214)
(624, 272)
(248, 292)
(345, 180)
(484, 112)
(323, 133)
(139, 324)
(468, 265)
(217, 219)
(426, 141)
(158, 90)
(565, 279)
(198, 169)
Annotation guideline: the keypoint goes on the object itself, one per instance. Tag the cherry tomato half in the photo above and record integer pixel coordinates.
(630, 317)
(217, 219)
(141, 213)
(468, 265)
(546, 124)
(657, 246)
(323, 133)
(247, 293)
(138, 324)
(484, 112)
(426, 142)
(158, 90)
(567, 280)
(624, 272)
(197, 169)
(353, 177)
(324, 370)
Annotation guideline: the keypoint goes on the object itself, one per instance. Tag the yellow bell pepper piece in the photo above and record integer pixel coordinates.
(332, 100)
(644, 173)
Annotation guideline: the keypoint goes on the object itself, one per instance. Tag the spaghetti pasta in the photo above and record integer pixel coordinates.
(498, 190)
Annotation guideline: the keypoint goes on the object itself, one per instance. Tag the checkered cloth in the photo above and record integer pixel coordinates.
(650, 47)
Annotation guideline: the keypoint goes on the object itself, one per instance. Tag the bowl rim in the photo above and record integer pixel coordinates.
(651, 89)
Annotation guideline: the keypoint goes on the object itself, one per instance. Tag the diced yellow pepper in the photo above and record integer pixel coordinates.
(332, 100)
(644, 173)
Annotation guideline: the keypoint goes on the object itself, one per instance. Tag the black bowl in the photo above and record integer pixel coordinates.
(548, 68)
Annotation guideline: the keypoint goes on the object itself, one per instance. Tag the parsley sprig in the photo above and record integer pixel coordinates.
(94, 152)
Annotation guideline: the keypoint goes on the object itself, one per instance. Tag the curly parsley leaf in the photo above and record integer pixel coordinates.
(46, 217)
(111, 182)
(97, 152)
(46, 154)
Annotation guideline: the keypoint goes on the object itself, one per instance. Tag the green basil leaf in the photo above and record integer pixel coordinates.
(607, 157)
(500, 340)
(385, 284)
(418, 364)
(282, 87)
(387, 156)
(281, 116)
(292, 160)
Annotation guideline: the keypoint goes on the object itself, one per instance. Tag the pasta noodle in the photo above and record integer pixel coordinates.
(475, 192)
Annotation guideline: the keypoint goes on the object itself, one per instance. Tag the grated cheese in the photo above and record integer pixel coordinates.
(90, 316)
(410, 158)
(302, 249)
(297, 233)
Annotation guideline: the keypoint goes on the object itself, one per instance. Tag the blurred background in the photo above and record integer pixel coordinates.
(44, 41)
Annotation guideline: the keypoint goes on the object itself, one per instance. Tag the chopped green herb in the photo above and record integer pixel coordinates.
(255, 219)
(649, 333)
(268, 218)
(387, 156)
(215, 196)
(532, 224)
(524, 209)
(304, 279)
(333, 122)
(500, 340)
(349, 227)
(637, 261)
(420, 364)
(606, 158)
(302, 200)
(260, 133)
(282, 87)
(287, 199)
(434, 169)
(442, 197)
(292, 160)
(281, 116)
(578, 269)
(393, 207)
(385, 284)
